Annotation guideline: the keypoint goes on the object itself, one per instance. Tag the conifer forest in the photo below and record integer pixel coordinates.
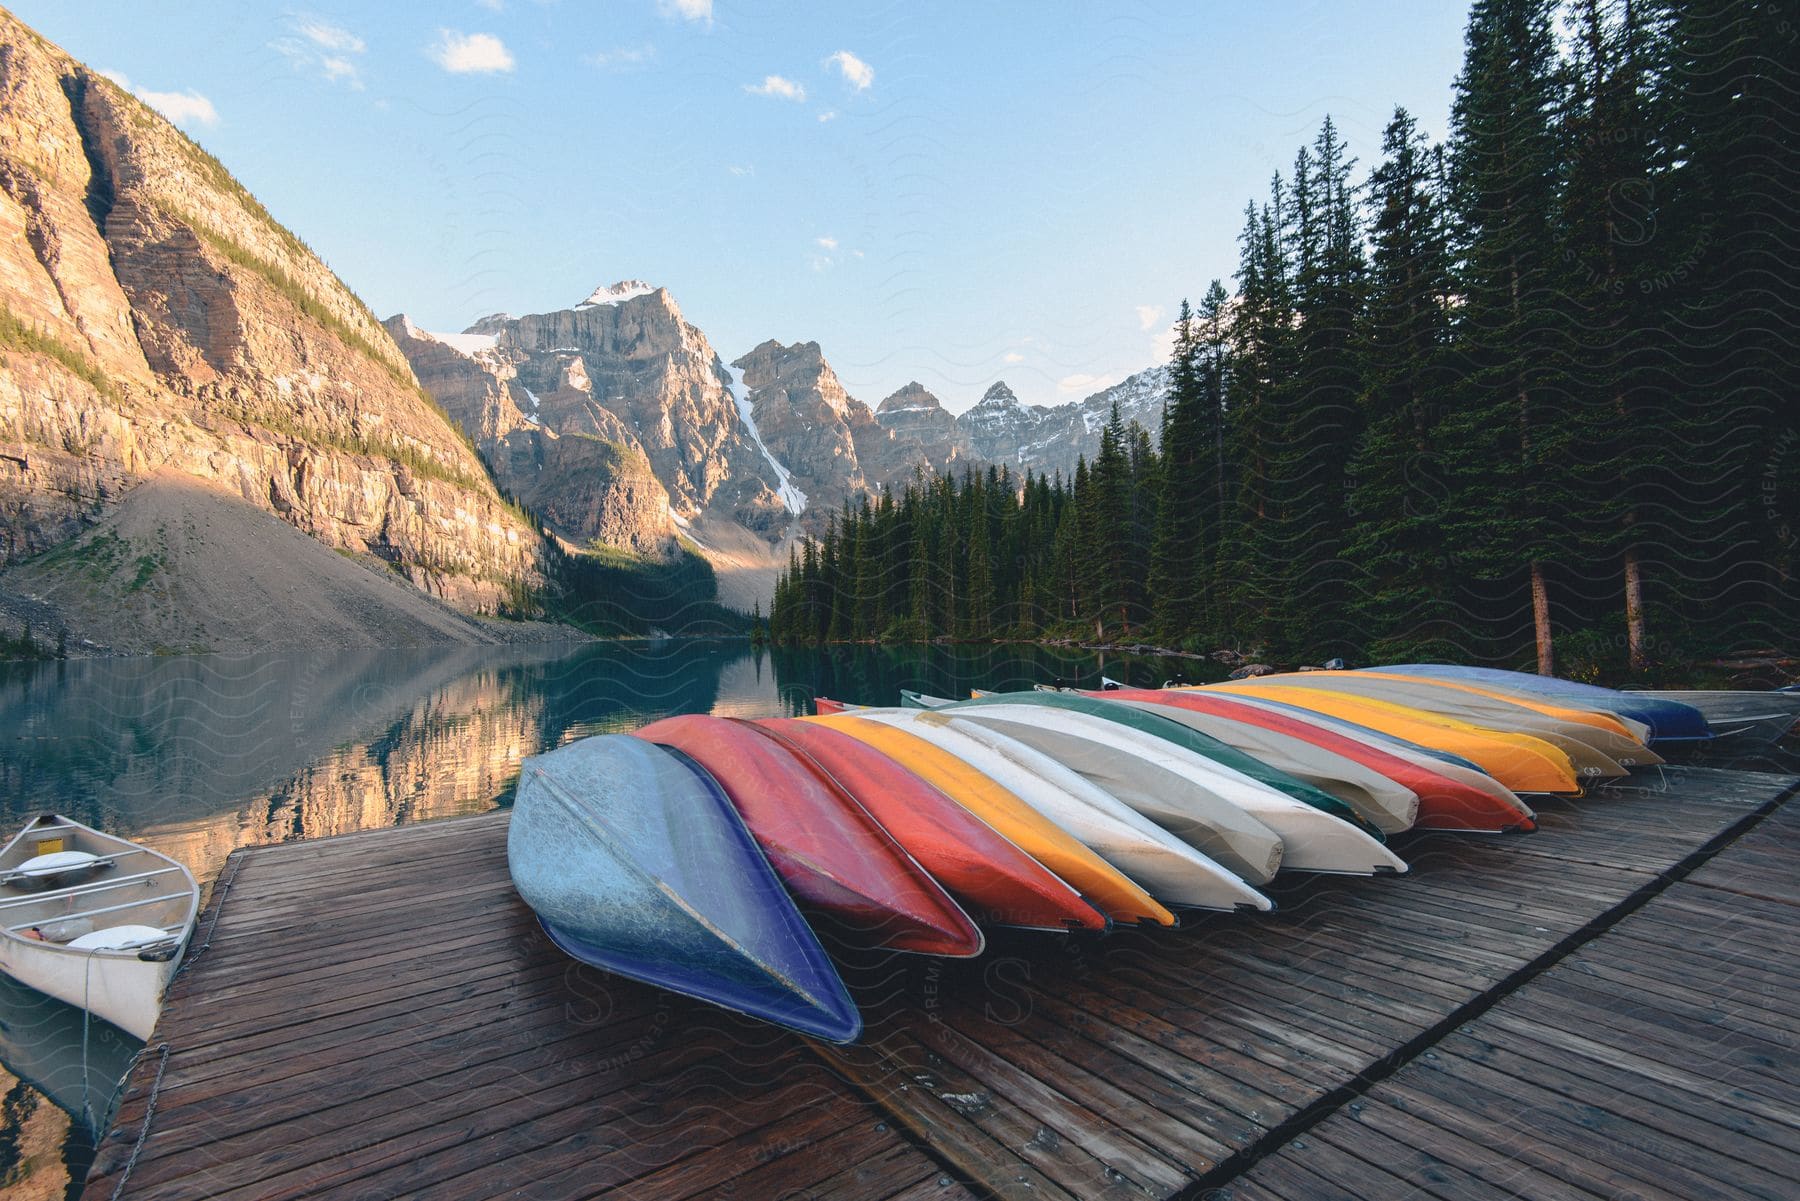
(1529, 391)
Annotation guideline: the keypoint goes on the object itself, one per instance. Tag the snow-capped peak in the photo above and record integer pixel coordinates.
(999, 395)
(625, 289)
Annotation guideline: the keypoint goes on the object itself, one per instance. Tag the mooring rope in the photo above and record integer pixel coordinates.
(144, 1129)
(220, 891)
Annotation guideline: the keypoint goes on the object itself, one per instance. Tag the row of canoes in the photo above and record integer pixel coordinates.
(695, 854)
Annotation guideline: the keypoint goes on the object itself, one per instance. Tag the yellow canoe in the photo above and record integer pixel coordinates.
(1105, 886)
(1519, 761)
(1637, 731)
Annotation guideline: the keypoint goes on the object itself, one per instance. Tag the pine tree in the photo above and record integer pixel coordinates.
(1403, 602)
(1504, 453)
(1177, 555)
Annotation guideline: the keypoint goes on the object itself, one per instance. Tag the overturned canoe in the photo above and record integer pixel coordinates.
(993, 879)
(636, 862)
(1599, 747)
(1173, 871)
(1378, 799)
(1669, 721)
(1521, 762)
(1165, 771)
(1108, 889)
(1445, 795)
(824, 845)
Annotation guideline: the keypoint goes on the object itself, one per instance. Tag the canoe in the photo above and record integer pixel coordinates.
(1567, 710)
(1213, 825)
(1595, 754)
(1109, 890)
(1521, 762)
(1765, 717)
(1169, 869)
(825, 704)
(94, 920)
(1097, 704)
(1669, 721)
(1619, 740)
(1444, 796)
(1151, 763)
(1350, 729)
(825, 847)
(994, 880)
(1380, 800)
(635, 861)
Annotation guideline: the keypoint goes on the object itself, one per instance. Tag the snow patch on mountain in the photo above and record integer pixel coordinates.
(469, 344)
(625, 289)
(791, 497)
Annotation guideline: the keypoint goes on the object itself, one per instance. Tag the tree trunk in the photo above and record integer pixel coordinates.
(1540, 619)
(1634, 611)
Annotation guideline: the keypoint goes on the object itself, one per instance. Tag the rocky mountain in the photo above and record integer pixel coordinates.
(999, 428)
(155, 319)
(1049, 439)
(614, 419)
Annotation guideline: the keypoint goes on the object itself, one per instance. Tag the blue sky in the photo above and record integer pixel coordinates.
(954, 193)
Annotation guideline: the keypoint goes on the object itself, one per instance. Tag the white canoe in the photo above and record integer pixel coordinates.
(1400, 748)
(1143, 771)
(94, 920)
(1167, 868)
(1388, 806)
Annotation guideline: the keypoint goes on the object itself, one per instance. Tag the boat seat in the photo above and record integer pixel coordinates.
(115, 938)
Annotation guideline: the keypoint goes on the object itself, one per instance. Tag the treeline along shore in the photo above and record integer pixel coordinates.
(1533, 389)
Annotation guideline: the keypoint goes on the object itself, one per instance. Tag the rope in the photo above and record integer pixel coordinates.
(144, 1129)
(220, 892)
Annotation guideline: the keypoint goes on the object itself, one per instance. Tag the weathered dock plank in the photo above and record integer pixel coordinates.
(1658, 1059)
(379, 1016)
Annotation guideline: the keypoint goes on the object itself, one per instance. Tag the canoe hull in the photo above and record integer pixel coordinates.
(995, 880)
(635, 862)
(825, 846)
(139, 887)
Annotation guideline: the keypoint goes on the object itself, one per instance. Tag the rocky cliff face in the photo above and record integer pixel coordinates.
(614, 420)
(154, 316)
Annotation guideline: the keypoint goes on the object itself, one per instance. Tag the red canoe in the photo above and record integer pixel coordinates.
(993, 878)
(1444, 803)
(824, 704)
(827, 849)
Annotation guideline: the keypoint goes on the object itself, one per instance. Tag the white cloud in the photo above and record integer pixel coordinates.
(746, 169)
(777, 86)
(1162, 344)
(1012, 356)
(827, 242)
(1148, 315)
(181, 108)
(327, 36)
(318, 47)
(624, 58)
(493, 6)
(855, 71)
(827, 115)
(686, 10)
(470, 53)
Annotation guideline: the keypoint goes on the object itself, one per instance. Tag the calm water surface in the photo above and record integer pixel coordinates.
(197, 756)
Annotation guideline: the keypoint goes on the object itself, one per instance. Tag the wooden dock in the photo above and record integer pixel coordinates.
(1609, 1007)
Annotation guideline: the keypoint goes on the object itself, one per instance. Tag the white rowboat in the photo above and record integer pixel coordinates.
(94, 920)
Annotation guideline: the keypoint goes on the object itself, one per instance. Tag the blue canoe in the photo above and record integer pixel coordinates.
(1669, 721)
(635, 861)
